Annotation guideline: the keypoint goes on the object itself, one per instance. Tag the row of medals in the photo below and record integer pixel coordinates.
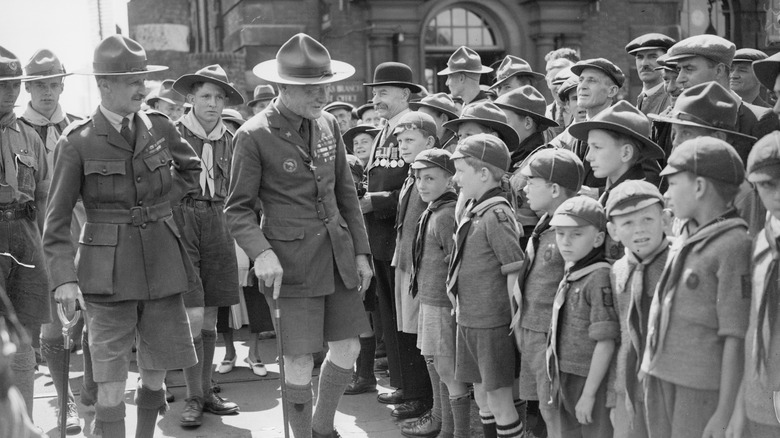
(394, 161)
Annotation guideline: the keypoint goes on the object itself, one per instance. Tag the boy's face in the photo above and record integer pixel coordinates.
(467, 129)
(575, 243)
(681, 194)
(539, 193)
(769, 191)
(641, 231)
(432, 182)
(45, 94)
(573, 108)
(467, 178)
(361, 146)
(411, 142)
(207, 103)
(604, 154)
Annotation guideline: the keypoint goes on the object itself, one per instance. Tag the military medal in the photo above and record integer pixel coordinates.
(383, 162)
(393, 163)
(401, 162)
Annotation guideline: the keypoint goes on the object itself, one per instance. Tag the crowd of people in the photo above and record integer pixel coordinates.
(578, 267)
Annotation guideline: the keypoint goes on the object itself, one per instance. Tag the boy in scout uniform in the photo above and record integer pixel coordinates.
(24, 183)
(261, 98)
(167, 101)
(463, 71)
(646, 50)
(693, 358)
(635, 212)
(128, 167)
(513, 73)
(742, 79)
(441, 107)
(204, 230)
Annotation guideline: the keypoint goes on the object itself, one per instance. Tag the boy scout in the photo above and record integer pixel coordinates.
(524, 109)
(636, 220)
(646, 50)
(759, 396)
(698, 317)
(127, 182)
(261, 98)
(463, 71)
(201, 219)
(742, 79)
(441, 107)
(24, 182)
(512, 73)
(167, 101)
(311, 251)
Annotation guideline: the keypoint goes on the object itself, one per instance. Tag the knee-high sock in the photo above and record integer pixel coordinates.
(89, 387)
(149, 403)
(488, 425)
(333, 382)
(23, 367)
(514, 430)
(521, 407)
(193, 375)
(109, 421)
(447, 422)
(53, 350)
(461, 415)
(299, 409)
(435, 384)
(209, 344)
(365, 362)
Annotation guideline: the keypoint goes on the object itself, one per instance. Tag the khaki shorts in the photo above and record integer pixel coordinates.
(485, 356)
(436, 331)
(533, 363)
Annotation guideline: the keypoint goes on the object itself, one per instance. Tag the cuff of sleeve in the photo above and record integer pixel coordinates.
(65, 280)
(255, 250)
(733, 332)
(604, 330)
(511, 267)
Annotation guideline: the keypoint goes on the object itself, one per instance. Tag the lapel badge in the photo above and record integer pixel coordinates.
(290, 165)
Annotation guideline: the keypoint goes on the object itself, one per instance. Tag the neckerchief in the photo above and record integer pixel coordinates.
(419, 235)
(634, 173)
(767, 301)
(207, 154)
(530, 255)
(9, 158)
(39, 119)
(403, 201)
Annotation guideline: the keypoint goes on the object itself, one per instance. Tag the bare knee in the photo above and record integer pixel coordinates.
(298, 369)
(195, 317)
(501, 405)
(210, 318)
(152, 379)
(111, 393)
(344, 353)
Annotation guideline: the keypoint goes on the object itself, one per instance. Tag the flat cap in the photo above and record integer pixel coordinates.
(707, 157)
(559, 166)
(650, 41)
(664, 64)
(711, 47)
(763, 163)
(748, 55)
(414, 120)
(605, 65)
(486, 148)
(440, 158)
(632, 195)
(580, 211)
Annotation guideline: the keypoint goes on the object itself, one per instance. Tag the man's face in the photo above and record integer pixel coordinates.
(389, 101)
(681, 194)
(641, 231)
(595, 89)
(361, 146)
(124, 94)
(456, 83)
(575, 243)
(344, 118)
(552, 68)
(306, 100)
(208, 101)
(371, 117)
(44, 94)
(572, 107)
(432, 183)
(259, 106)
(646, 62)
(670, 84)
(695, 71)
(174, 111)
(742, 78)
(411, 142)
(512, 83)
(9, 92)
(680, 133)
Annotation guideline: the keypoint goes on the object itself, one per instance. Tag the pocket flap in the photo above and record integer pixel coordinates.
(104, 167)
(159, 159)
(285, 234)
(99, 234)
(27, 160)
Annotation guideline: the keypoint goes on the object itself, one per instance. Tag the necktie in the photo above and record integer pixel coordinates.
(766, 304)
(305, 132)
(460, 240)
(126, 132)
(207, 172)
(640, 100)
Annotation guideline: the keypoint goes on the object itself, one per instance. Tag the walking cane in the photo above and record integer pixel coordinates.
(283, 386)
(66, 326)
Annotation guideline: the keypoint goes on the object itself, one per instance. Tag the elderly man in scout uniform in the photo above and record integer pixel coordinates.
(45, 115)
(646, 49)
(743, 80)
(512, 73)
(261, 98)
(311, 251)
(441, 107)
(128, 167)
(387, 171)
(167, 101)
(204, 230)
(463, 71)
(24, 182)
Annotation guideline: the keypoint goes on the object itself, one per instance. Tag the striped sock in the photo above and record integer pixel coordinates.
(510, 430)
(488, 425)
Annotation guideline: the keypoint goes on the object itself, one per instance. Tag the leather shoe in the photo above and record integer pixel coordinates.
(169, 397)
(380, 365)
(192, 416)
(410, 409)
(218, 405)
(391, 398)
(425, 426)
(360, 385)
(334, 434)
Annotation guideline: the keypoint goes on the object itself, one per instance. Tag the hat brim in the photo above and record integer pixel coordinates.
(414, 106)
(337, 107)
(268, 70)
(667, 119)
(507, 133)
(766, 71)
(635, 206)
(449, 71)
(234, 120)
(41, 78)
(671, 170)
(566, 220)
(400, 84)
(540, 119)
(642, 49)
(147, 70)
(16, 78)
(650, 150)
(263, 99)
(184, 84)
(578, 69)
(767, 173)
(534, 75)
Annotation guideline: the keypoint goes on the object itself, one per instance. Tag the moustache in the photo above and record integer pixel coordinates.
(647, 70)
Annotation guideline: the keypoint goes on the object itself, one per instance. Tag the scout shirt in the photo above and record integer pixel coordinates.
(545, 268)
(612, 248)
(703, 296)
(654, 100)
(24, 172)
(311, 215)
(48, 129)
(436, 244)
(223, 156)
(130, 247)
(410, 207)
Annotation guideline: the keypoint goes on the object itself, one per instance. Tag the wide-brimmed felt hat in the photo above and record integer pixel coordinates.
(767, 70)
(650, 41)
(213, 74)
(514, 66)
(338, 105)
(706, 105)
(605, 65)
(526, 101)
(303, 60)
(441, 102)
(166, 93)
(748, 55)
(233, 115)
(118, 55)
(487, 114)
(10, 67)
(464, 60)
(394, 74)
(712, 47)
(262, 92)
(622, 118)
(44, 64)
(349, 135)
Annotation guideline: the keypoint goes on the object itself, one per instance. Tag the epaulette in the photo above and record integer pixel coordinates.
(74, 125)
(152, 112)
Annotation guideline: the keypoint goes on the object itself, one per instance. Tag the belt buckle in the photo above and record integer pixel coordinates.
(9, 214)
(137, 216)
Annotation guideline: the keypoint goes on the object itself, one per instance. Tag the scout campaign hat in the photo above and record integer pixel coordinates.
(119, 55)
(44, 64)
(706, 105)
(416, 120)
(303, 60)
(650, 41)
(580, 211)
(338, 105)
(622, 118)
(711, 47)
(614, 72)
(213, 74)
(232, 115)
(166, 93)
(262, 92)
(440, 158)
(10, 67)
(559, 166)
(513, 66)
(708, 157)
(748, 55)
(487, 114)
(766, 70)
(349, 135)
(763, 163)
(394, 74)
(486, 148)
(441, 102)
(365, 107)
(526, 101)
(632, 195)
(464, 60)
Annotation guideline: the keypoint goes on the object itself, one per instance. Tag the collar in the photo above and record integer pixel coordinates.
(294, 119)
(115, 119)
(736, 96)
(36, 118)
(651, 91)
(634, 260)
(633, 172)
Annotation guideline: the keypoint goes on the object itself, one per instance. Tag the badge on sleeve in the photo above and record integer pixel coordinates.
(606, 296)
(691, 280)
(501, 215)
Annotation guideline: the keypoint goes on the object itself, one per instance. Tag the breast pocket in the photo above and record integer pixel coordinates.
(287, 243)
(104, 178)
(222, 176)
(26, 167)
(159, 165)
(97, 249)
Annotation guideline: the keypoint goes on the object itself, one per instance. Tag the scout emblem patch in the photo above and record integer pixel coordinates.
(691, 280)
(606, 296)
(290, 165)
